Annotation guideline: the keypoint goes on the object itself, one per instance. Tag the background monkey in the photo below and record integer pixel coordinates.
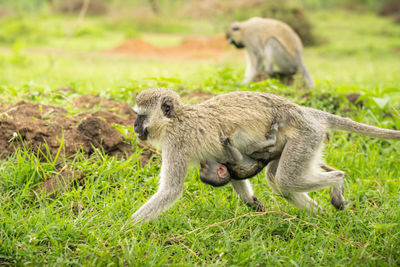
(191, 133)
(269, 43)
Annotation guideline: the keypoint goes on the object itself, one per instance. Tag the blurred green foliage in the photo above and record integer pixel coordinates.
(170, 5)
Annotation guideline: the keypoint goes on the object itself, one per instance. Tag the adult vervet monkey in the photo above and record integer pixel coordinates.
(269, 44)
(191, 134)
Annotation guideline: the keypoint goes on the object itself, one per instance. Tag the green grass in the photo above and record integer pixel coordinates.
(89, 225)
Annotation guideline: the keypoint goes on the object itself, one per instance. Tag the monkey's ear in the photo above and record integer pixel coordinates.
(167, 107)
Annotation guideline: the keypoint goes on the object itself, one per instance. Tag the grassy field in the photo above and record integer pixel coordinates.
(90, 224)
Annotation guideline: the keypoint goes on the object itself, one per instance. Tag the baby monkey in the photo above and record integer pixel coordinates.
(236, 165)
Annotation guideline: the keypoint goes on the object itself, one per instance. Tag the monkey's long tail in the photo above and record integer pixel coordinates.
(346, 124)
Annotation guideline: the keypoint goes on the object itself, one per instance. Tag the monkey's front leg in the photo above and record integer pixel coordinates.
(172, 177)
(251, 68)
(245, 191)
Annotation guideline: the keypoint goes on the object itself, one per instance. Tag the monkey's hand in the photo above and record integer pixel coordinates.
(225, 141)
(159, 202)
(271, 134)
(257, 205)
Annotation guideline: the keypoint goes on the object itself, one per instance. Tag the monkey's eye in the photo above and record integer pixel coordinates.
(235, 28)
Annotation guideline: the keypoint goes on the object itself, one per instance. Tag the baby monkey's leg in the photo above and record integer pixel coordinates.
(263, 145)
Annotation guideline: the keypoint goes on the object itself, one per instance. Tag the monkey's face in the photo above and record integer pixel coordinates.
(140, 127)
(234, 35)
(214, 173)
(154, 109)
(149, 121)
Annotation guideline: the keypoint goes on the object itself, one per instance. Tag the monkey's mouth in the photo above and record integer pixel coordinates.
(237, 45)
(231, 41)
(143, 136)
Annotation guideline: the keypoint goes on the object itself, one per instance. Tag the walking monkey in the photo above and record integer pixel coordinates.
(191, 134)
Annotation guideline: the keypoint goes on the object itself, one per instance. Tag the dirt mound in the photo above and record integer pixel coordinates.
(33, 125)
(192, 48)
(217, 42)
(136, 46)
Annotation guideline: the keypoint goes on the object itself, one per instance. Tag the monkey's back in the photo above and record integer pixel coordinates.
(249, 114)
(266, 28)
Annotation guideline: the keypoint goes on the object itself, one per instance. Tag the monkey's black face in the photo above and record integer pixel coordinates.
(234, 36)
(139, 129)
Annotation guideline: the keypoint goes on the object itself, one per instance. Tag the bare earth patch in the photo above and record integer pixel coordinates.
(34, 125)
(189, 49)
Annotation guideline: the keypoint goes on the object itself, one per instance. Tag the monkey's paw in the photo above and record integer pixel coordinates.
(225, 140)
(257, 205)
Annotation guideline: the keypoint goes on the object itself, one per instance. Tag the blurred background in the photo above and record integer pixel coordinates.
(92, 45)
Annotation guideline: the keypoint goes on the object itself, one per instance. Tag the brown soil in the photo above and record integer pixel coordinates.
(59, 183)
(33, 125)
(194, 48)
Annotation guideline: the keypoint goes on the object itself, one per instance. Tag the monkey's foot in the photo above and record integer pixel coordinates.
(338, 201)
(337, 197)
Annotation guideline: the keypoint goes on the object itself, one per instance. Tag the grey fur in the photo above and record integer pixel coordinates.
(236, 165)
(192, 134)
(270, 44)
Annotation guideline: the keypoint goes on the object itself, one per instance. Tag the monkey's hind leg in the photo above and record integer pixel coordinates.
(278, 56)
(297, 171)
(337, 194)
(300, 200)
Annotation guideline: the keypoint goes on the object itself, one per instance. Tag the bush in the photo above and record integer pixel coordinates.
(96, 7)
(391, 9)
